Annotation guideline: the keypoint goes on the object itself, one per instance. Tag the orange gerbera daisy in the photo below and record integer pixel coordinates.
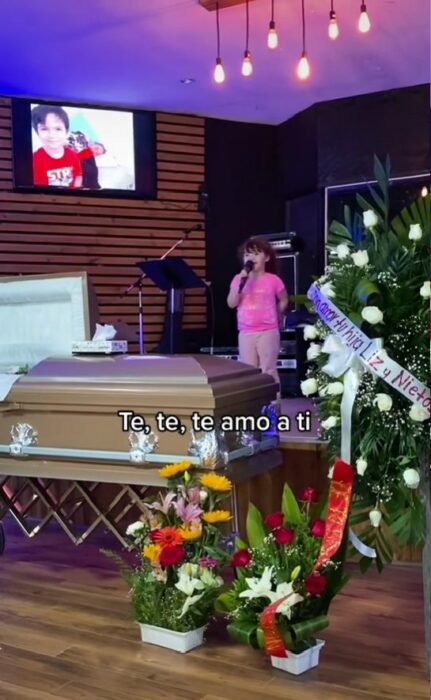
(172, 470)
(167, 536)
(217, 516)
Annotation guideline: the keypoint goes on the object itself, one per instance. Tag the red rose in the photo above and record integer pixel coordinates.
(241, 558)
(153, 534)
(309, 495)
(274, 520)
(284, 535)
(318, 528)
(172, 555)
(315, 584)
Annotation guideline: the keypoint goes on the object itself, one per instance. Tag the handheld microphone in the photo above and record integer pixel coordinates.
(248, 268)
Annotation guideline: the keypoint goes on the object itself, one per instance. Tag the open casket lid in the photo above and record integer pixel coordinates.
(42, 315)
(159, 381)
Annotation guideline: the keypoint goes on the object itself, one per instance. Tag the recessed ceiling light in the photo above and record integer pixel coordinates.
(187, 81)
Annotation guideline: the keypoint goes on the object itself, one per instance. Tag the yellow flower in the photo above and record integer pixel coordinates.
(191, 531)
(217, 516)
(214, 482)
(173, 469)
(152, 552)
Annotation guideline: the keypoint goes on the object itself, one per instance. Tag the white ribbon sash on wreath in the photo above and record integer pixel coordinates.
(350, 353)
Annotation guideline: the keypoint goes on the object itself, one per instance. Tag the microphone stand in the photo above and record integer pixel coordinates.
(139, 285)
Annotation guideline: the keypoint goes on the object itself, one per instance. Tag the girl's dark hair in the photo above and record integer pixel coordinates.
(40, 113)
(262, 246)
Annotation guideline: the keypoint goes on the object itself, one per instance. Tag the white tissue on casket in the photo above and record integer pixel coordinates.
(109, 347)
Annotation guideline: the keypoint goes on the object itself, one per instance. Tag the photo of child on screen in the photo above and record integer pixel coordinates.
(54, 164)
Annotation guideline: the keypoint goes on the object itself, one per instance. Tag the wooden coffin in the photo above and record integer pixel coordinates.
(71, 407)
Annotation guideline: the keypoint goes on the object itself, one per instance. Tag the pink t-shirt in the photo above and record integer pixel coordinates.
(257, 309)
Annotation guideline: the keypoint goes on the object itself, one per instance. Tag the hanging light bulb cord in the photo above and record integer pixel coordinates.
(218, 30)
(272, 11)
(303, 26)
(247, 26)
(332, 6)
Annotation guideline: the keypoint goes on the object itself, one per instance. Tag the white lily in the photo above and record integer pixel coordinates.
(191, 600)
(208, 578)
(259, 587)
(188, 585)
(283, 590)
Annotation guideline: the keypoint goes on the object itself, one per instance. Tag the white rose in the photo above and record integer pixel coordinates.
(310, 332)
(375, 517)
(370, 218)
(372, 314)
(327, 290)
(418, 414)
(361, 465)
(343, 251)
(313, 351)
(360, 258)
(384, 402)
(309, 386)
(330, 422)
(425, 290)
(203, 495)
(411, 478)
(334, 388)
(415, 233)
(134, 528)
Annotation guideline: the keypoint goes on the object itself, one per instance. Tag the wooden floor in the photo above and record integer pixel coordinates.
(65, 633)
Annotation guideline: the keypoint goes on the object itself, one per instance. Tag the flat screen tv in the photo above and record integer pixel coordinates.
(83, 149)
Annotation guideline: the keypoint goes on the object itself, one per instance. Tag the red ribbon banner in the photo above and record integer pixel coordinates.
(340, 496)
(274, 644)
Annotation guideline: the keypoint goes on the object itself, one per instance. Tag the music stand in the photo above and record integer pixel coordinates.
(171, 275)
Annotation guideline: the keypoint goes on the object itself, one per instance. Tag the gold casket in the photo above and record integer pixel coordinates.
(131, 409)
(70, 419)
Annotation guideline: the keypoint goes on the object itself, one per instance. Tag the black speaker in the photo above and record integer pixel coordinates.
(287, 268)
(305, 216)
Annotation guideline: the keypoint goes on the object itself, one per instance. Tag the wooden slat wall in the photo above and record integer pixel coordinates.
(42, 233)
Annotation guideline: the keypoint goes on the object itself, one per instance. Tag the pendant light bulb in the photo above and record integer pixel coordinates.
(247, 66)
(424, 191)
(272, 36)
(303, 68)
(364, 24)
(219, 74)
(333, 30)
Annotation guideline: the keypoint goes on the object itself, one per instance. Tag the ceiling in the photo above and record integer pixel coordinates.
(135, 53)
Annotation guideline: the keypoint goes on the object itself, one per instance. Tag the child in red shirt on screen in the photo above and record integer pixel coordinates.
(54, 164)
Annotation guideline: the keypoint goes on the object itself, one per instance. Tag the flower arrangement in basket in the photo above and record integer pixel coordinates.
(289, 572)
(180, 555)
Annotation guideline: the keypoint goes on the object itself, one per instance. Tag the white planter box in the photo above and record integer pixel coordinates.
(178, 641)
(299, 663)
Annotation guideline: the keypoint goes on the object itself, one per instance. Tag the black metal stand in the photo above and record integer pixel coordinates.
(173, 276)
(138, 284)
